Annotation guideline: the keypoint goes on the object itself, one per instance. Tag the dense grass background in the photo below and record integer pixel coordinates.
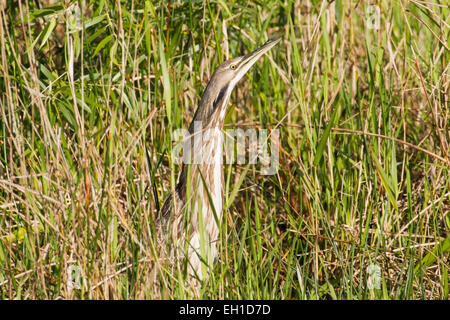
(364, 164)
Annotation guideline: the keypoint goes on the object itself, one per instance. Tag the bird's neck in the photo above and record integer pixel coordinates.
(204, 173)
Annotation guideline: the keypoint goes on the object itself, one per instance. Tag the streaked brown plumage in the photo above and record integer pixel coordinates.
(191, 215)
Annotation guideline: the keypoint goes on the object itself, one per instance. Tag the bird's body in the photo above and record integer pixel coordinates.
(191, 216)
(193, 228)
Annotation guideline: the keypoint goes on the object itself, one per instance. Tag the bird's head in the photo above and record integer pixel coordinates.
(231, 71)
(226, 76)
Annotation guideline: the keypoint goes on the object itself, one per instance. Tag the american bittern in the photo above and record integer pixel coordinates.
(192, 215)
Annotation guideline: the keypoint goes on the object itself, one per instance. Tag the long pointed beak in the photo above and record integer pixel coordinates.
(249, 59)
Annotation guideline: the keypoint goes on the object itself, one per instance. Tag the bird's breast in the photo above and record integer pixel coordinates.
(212, 170)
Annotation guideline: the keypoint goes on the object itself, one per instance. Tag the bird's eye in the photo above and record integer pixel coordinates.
(233, 66)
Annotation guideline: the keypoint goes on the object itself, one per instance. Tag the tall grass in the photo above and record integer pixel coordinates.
(86, 87)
